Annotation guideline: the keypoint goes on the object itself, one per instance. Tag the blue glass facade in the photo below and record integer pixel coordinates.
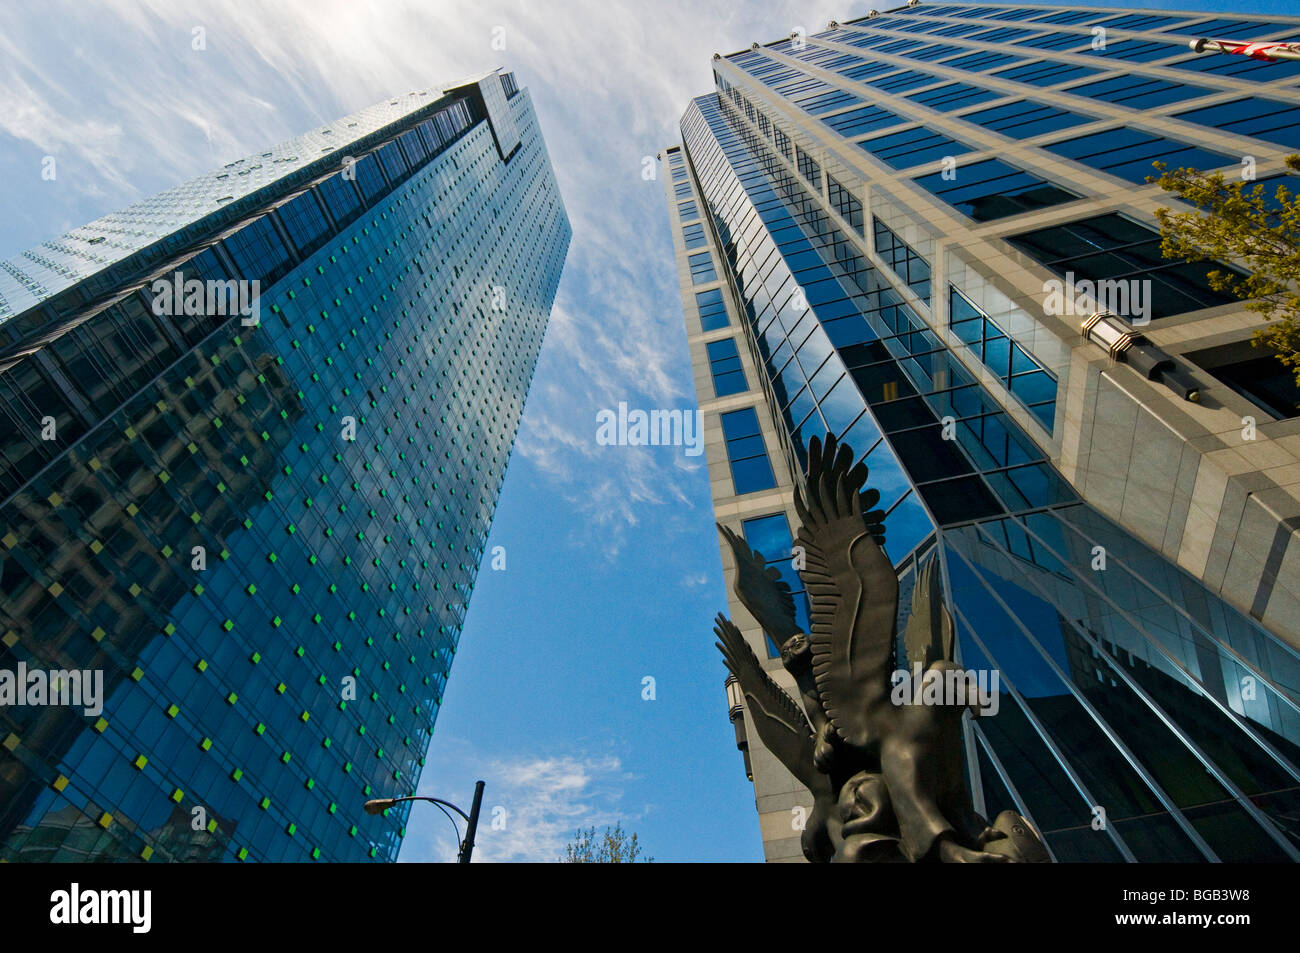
(265, 533)
(1143, 717)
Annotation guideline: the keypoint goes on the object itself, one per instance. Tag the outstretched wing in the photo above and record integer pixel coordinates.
(852, 586)
(761, 590)
(929, 634)
(777, 717)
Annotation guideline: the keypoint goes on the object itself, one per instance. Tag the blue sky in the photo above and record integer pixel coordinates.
(612, 566)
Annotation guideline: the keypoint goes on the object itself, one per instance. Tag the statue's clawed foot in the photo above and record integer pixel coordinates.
(950, 852)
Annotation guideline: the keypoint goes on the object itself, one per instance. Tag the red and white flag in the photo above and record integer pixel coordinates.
(1269, 52)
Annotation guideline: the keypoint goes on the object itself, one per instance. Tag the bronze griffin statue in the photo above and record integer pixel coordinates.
(886, 777)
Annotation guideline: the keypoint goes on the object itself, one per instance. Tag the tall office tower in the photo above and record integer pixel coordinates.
(252, 434)
(872, 224)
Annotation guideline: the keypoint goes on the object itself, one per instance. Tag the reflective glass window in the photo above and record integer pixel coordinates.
(713, 313)
(1025, 119)
(1262, 118)
(912, 147)
(902, 260)
(701, 266)
(1116, 249)
(993, 189)
(725, 367)
(750, 469)
(1129, 153)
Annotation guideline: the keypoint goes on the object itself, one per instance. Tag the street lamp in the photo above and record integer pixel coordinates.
(379, 805)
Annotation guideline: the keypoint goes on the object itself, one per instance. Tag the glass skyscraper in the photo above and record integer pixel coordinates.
(252, 435)
(874, 226)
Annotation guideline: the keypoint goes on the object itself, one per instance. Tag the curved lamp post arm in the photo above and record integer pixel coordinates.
(379, 805)
(387, 802)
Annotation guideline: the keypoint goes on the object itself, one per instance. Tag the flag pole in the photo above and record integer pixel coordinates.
(1267, 51)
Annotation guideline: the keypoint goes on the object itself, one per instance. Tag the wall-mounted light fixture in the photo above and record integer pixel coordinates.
(1127, 346)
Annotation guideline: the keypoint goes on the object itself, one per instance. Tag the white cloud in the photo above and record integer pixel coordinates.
(532, 805)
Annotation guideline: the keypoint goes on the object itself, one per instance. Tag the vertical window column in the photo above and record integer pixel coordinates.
(750, 469)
